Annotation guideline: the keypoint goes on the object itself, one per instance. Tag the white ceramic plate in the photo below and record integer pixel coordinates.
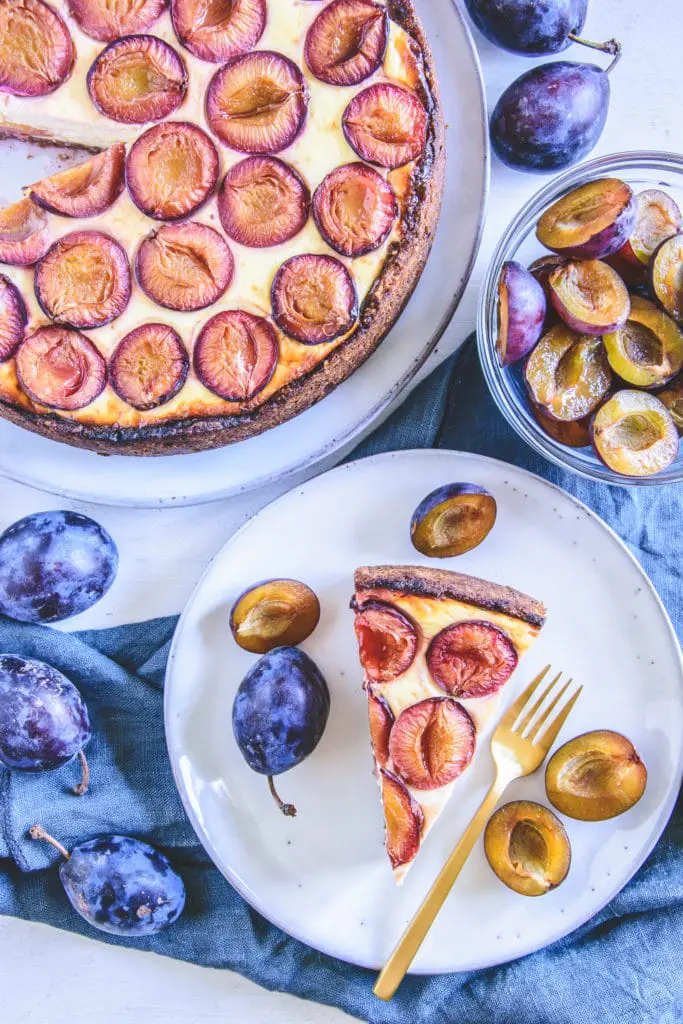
(350, 410)
(323, 876)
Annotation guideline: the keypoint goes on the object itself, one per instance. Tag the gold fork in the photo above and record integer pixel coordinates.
(517, 750)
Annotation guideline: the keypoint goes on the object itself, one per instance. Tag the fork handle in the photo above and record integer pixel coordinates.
(394, 971)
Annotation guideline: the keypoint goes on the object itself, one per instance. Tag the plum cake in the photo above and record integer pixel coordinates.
(436, 648)
(261, 201)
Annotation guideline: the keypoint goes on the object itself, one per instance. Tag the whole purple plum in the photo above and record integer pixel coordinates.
(531, 27)
(521, 313)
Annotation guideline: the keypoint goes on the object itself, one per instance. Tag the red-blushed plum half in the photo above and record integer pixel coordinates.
(257, 103)
(137, 79)
(184, 266)
(387, 640)
(471, 659)
(262, 202)
(36, 52)
(658, 218)
(589, 296)
(61, 369)
(236, 354)
(86, 190)
(590, 222)
(403, 820)
(24, 234)
(634, 434)
(386, 125)
(83, 280)
(13, 318)
(432, 742)
(346, 42)
(107, 20)
(171, 170)
(216, 30)
(381, 722)
(149, 366)
(521, 313)
(314, 298)
(354, 209)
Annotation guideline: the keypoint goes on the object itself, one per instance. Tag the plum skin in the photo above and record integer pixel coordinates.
(522, 313)
(527, 28)
(479, 508)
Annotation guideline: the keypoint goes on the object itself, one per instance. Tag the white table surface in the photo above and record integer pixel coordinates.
(46, 975)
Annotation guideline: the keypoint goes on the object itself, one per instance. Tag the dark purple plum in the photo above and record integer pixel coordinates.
(521, 313)
(83, 280)
(216, 30)
(36, 52)
(54, 565)
(346, 42)
(137, 79)
(590, 222)
(452, 519)
(107, 20)
(119, 885)
(263, 202)
(44, 722)
(531, 27)
(85, 190)
(60, 369)
(314, 298)
(13, 318)
(280, 713)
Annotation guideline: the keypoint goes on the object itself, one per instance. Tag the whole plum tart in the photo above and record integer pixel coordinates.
(262, 189)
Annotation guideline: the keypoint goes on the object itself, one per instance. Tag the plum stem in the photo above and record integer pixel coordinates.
(289, 810)
(82, 786)
(38, 832)
(611, 46)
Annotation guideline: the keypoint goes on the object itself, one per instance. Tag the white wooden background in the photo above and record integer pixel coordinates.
(46, 975)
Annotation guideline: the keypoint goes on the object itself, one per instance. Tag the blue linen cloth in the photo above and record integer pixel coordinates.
(623, 967)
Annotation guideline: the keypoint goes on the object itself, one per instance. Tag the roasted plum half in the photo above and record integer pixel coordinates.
(86, 190)
(403, 820)
(521, 313)
(262, 202)
(36, 52)
(386, 125)
(83, 280)
(595, 776)
(381, 720)
(236, 354)
(657, 218)
(527, 847)
(24, 234)
(216, 30)
(672, 398)
(257, 103)
(590, 222)
(184, 266)
(567, 374)
(354, 209)
(108, 20)
(452, 519)
(666, 276)
(137, 79)
(171, 170)
(648, 350)
(13, 318)
(432, 742)
(589, 296)
(346, 42)
(387, 640)
(471, 659)
(61, 369)
(149, 366)
(274, 613)
(314, 299)
(634, 434)
(570, 433)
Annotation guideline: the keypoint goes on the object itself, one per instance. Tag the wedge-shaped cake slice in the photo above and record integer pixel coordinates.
(436, 647)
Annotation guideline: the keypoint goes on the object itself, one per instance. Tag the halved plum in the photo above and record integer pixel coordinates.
(672, 398)
(634, 434)
(381, 723)
(107, 20)
(471, 659)
(216, 30)
(452, 519)
(666, 276)
(171, 170)
(631, 273)
(386, 124)
(595, 776)
(83, 280)
(521, 313)
(257, 102)
(527, 847)
(432, 742)
(567, 374)
(658, 218)
(590, 222)
(571, 433)
(648, 350)
(85, 190)
(36, 52)
(137, 79)
(314, 298)
(236, 354)
(60, 369)
(262, 202)
(403, 820)
(354, 209)
(346, 42)
(387, 640)
(149, 366)
(184, 266)
(589, 296)
(13, 318)
(274, 613)
(24, 234)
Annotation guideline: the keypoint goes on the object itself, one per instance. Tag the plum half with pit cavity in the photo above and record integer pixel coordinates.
(346, 42)
(471, 659)
(83, 280)
(648, 350)
(403, 820)
(381, 720)
(387, 640)
(452, 519)
(24, 234)
(60, 369)
(262, 202)
(314, 298)
(236, 354)
(149, 366)
(527, 847)
(590, 222)
(595, 776)
(86, 190)
(666, 276)
(521, 313)
(432, 742)
(36, 52)
(386, 125)
(13, 318)
(567, 374)
(184, 266)
(633, 434)
(570, 433)
(216, 30)
(354, 209)
(672, 397)
(589, 296)
(171, 170)
(274, 613)
(137, 79)
(107, 20)
(657, 218)
(257, 103)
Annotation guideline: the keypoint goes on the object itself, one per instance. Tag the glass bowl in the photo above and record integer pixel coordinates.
(641, 170)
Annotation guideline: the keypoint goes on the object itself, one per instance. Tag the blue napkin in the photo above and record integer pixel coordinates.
(623, 967)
